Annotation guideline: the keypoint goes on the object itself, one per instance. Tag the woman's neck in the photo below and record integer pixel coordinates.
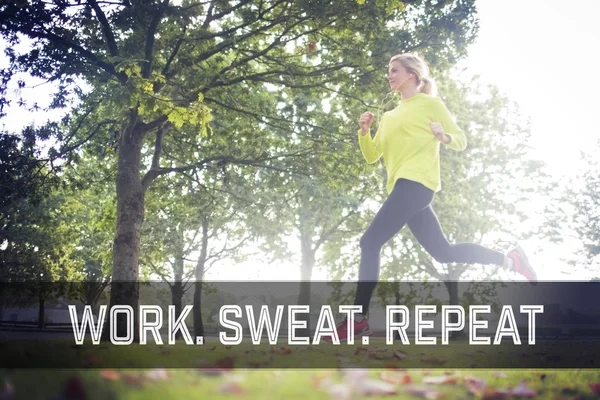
(409, 92)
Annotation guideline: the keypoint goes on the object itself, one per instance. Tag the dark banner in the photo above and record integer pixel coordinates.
(221, 325)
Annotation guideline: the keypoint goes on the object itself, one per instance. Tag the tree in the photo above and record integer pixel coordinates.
(154, 68)
(35, 241)
(192, 226)
(572, 218)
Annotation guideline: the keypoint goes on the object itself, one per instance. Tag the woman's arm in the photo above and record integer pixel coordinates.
(370, 146)
(458, 140)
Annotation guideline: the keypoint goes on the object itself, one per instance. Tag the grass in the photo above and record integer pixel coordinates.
(285, 384)
(215, 371)
(459, 354)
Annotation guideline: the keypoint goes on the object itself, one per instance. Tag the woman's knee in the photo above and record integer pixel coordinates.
(443, 255)
(370, 242)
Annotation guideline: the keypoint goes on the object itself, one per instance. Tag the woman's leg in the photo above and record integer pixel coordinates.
(406, 200)
(426, 227)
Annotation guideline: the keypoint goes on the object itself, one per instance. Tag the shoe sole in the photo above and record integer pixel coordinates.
(525, 261)
(356, 335)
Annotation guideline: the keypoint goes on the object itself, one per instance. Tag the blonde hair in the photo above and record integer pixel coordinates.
(416, 65)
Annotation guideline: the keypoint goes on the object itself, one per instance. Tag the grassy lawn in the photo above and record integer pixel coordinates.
(300, 384)
(215, 371)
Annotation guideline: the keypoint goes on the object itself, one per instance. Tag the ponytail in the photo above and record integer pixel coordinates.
(428, 86)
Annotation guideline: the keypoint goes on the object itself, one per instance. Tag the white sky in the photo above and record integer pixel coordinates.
(543, 55)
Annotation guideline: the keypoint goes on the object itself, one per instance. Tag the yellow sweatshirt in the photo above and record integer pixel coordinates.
(407, 144)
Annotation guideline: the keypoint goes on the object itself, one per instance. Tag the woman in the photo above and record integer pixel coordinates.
(408, 138)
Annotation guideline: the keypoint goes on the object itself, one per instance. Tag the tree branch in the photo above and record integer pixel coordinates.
(230, 42)
(71, 148)
(167, 66)
(158, 148)
(153, 174)
(225, 249)
(108, 34)
(157, 271)
(150, 38)
(325, 235)
(259, 117)
(155, 166)
(61, 41)
(144, 128)
(431, 270)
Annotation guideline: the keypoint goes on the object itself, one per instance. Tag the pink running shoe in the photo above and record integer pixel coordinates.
(521, 264)
(360, 329)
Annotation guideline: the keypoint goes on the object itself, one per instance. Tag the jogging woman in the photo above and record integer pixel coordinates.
(408, 138)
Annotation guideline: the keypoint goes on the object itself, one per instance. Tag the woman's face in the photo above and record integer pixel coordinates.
(397, 75)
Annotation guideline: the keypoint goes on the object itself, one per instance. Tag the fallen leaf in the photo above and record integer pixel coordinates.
(319, 380)
(285, 351)
(226, 362)
(475, 386)
(232, 388)
(158, 374)
(134, 380)
(425, 393)
(379, 356)
(395, 378)
(499, 374)
(380, 349)
(399, 355)
(359, 350)
(339, 391)
(496, 394)
(373, 387)
(522, 390)
(439, 380)
(109, 375)
(355, 375)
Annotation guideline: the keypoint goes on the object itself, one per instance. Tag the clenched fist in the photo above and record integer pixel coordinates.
(365, 121)
(438, 132)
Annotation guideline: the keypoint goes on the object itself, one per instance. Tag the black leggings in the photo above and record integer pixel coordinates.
(409, 203)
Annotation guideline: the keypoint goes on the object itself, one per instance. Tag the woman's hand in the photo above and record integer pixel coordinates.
(365, 121)
(438, 132)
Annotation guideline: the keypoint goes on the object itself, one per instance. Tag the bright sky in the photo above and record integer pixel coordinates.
(540, 53)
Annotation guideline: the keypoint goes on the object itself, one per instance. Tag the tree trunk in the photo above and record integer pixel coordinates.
(452, 287)
(130, 215)
(308, 262)
(1, 305)
(200, 267)
(177, 287)
(397, 301)
(41, 311)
